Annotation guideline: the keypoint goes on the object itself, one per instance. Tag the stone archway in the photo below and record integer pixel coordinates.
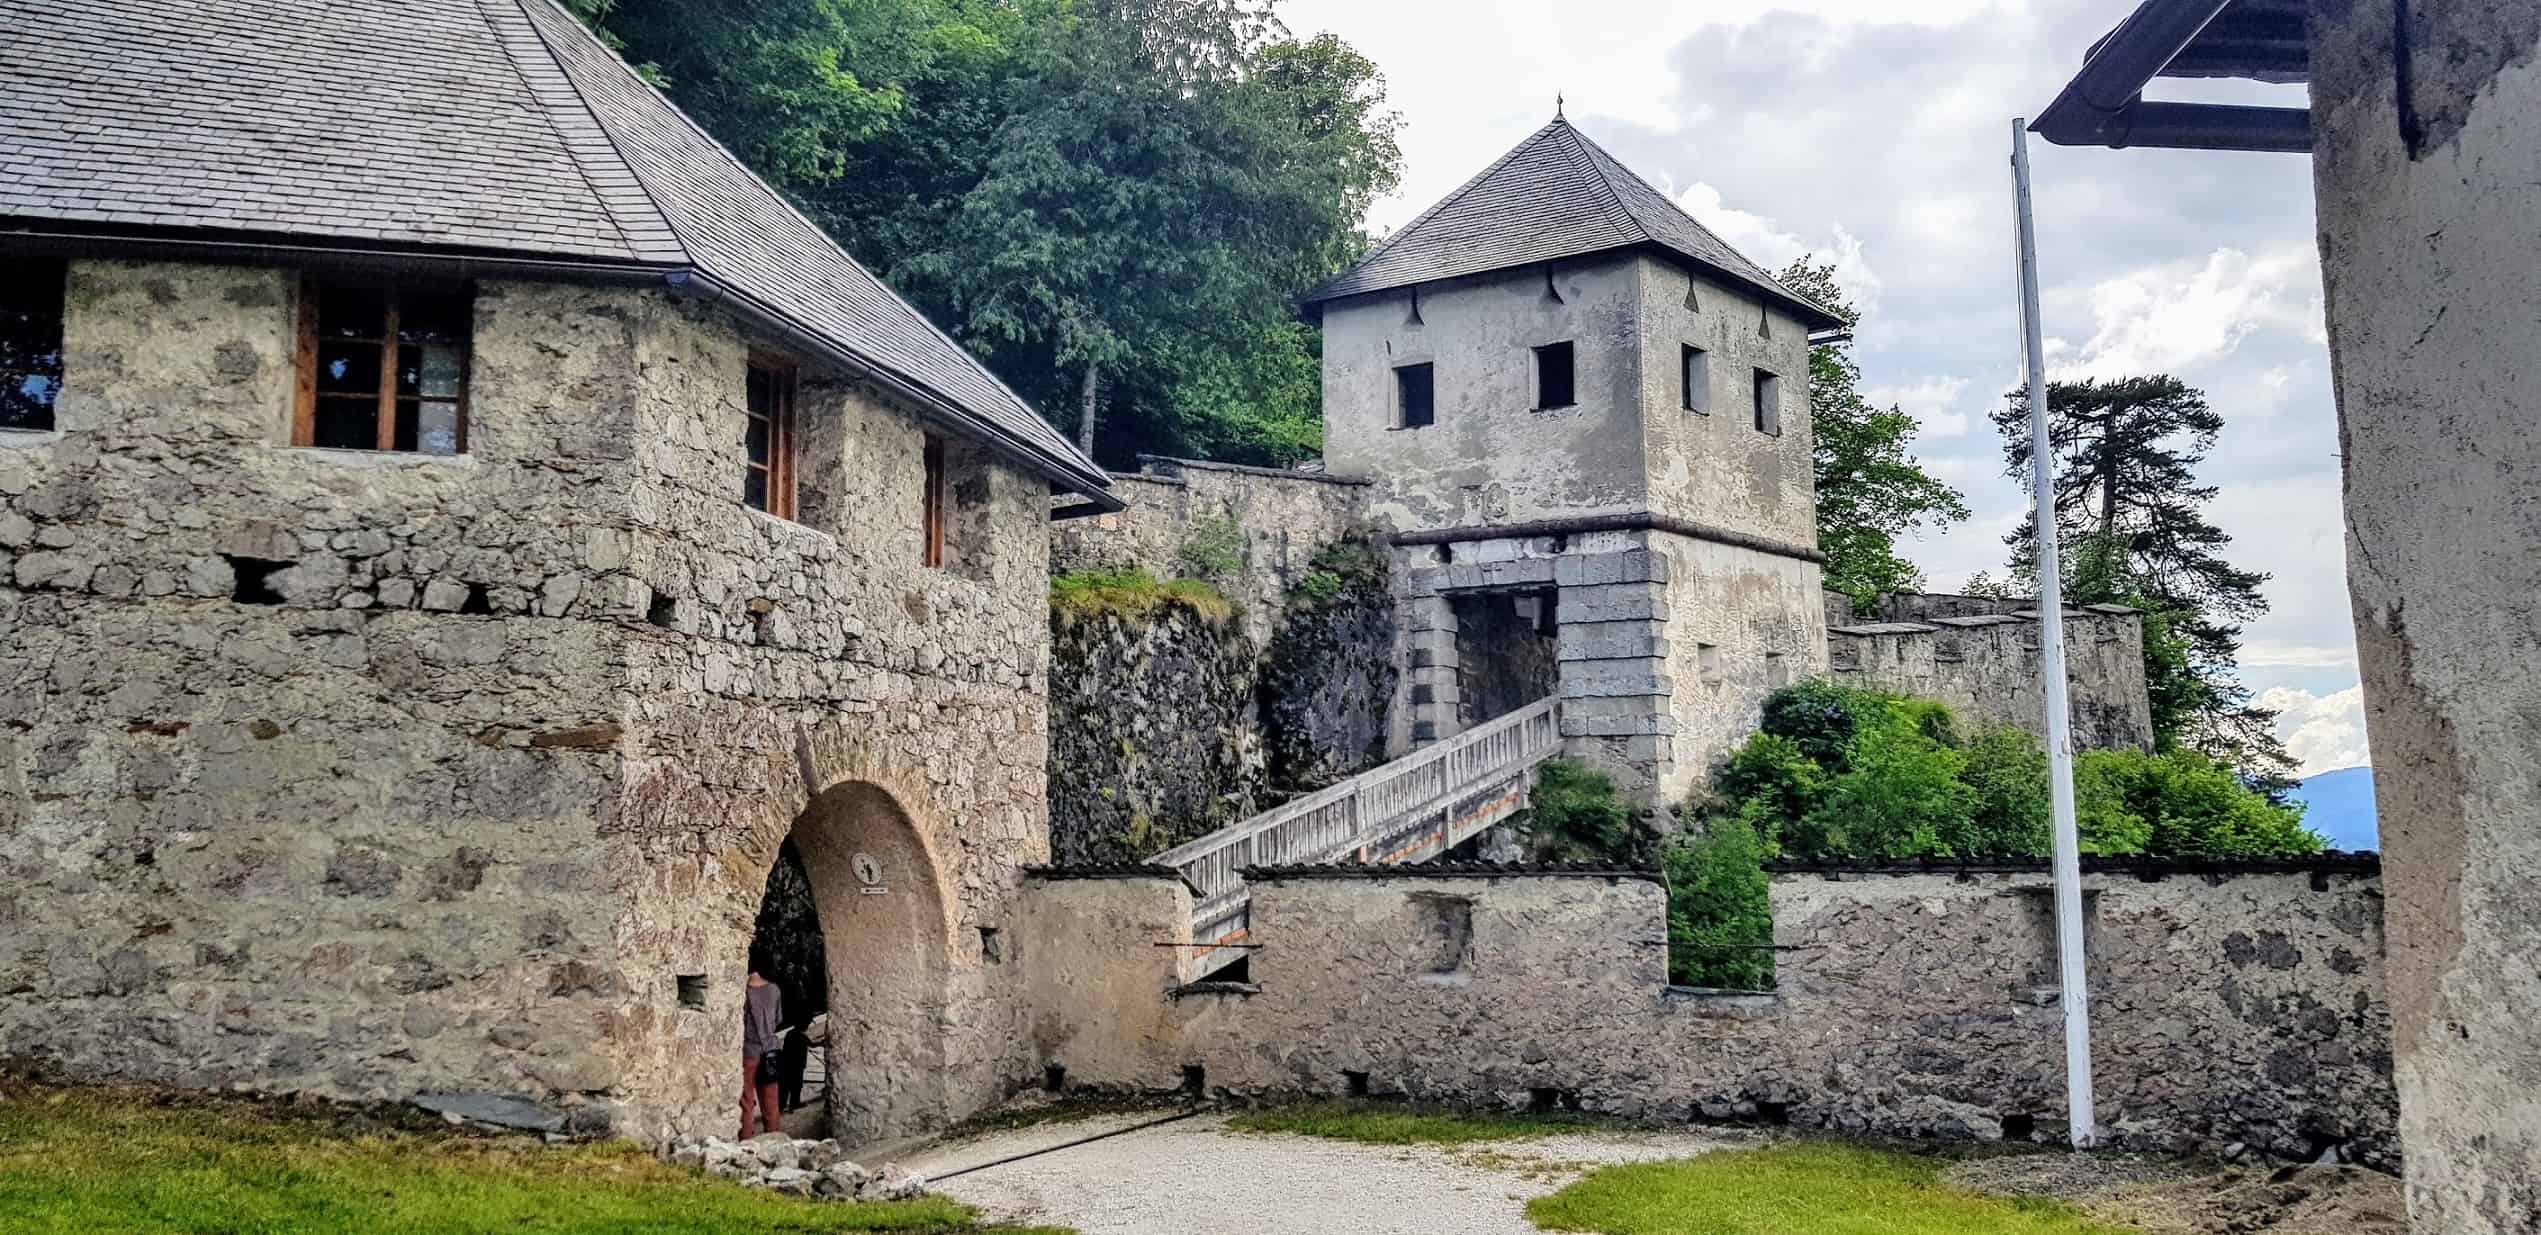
(882, 905)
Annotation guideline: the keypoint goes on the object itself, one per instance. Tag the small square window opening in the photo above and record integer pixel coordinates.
(1768, 403)
(384, 367)
(767, 437)
(1695, 372)
(31, 343)
(1553, 376)
(1416, 391)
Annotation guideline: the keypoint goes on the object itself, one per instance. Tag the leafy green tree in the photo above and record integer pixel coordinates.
(1114, 202)
(1168, 178)
(1870, 488)
(2132, 529)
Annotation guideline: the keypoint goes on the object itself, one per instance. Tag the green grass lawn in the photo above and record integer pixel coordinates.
(1809, 1189)
(106, 1162)
(1381, 1124)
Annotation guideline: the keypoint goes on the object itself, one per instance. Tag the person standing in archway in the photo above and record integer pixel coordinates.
(760, 1042)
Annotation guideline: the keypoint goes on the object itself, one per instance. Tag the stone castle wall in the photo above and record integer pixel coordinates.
(1283, 518)
(1982, 657)
(2228, 1007)
(512, 741)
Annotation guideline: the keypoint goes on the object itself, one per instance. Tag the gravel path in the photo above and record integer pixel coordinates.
(1196, 1177)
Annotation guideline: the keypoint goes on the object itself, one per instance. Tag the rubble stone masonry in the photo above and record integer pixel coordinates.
(377, 775)
(2229, 1007)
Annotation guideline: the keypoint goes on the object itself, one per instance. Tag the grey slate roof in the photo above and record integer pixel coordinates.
(1556, 195)
(490, 128)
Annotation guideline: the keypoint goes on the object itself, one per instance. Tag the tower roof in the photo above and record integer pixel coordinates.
(1556, 195)
(494, 131)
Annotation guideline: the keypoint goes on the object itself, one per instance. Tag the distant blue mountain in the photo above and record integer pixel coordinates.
(2339, 806)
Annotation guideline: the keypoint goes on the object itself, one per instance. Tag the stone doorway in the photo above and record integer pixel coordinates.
(863, 907)
(1505, 652)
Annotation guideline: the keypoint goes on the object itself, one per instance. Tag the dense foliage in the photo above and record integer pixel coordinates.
(2132, 530)
(1113, 202)
(1574, 815)
(1837, 771)
(1871, 491)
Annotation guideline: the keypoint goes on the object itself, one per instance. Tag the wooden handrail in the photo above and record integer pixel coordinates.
(1347, 819)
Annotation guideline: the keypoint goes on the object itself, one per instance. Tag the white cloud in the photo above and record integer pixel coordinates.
(2325, 732)
(2166, 317)
(1768, 245)
(1934, 402)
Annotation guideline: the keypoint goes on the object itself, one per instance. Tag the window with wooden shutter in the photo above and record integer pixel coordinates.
(767, 481)
(383, 367)
(934, 515)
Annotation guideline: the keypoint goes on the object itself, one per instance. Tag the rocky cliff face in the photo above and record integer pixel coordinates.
(1328, 678)
(1154, 738)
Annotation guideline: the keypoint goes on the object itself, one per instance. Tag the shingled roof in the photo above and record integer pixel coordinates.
(1556, 195)
(491, 131)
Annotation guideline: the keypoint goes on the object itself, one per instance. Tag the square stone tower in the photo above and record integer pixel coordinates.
(1587, 423)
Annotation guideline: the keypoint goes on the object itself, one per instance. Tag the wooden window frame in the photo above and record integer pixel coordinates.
(784, 379)
(1694, 373)
(304, 408)
(931, 551)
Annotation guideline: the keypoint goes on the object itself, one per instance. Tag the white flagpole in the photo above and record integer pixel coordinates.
(2076, 991)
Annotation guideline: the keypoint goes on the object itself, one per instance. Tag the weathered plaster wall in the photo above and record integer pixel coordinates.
(520, 741)
(1740, 625)
(1284, 517)
(1986, 667)
(2241, 1008)
(1491, 457)
(1713, 467)
(2432, 262)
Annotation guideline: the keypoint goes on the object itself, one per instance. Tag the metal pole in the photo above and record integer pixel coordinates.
(2074, 988)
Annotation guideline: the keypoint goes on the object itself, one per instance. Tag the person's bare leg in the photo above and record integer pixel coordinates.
(767, 1105)
(749, 1094)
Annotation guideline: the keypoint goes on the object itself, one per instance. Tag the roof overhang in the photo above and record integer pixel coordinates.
(2263, 40)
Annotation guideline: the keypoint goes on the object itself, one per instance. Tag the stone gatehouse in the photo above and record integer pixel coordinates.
(438, 572)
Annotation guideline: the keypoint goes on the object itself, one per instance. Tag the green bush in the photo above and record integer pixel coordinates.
(1770, 771)
(1718, 906)
(1899, 797)
(2180, 802)
(1843, 772)
(1574, 815)
(2007, 771)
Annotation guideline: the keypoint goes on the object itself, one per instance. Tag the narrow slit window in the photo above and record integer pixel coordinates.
(1417, 388)
(1695, 371)
(1768, 403)
(934, 498)
(31, 343)
(767, 479)
(384, 367)
(1553, 374)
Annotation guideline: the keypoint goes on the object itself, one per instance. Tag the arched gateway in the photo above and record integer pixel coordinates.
(881, 904)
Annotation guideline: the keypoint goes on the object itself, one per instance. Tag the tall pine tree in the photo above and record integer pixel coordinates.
(2132, 530)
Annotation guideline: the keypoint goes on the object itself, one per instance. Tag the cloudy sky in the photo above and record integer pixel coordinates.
(1877, 133)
